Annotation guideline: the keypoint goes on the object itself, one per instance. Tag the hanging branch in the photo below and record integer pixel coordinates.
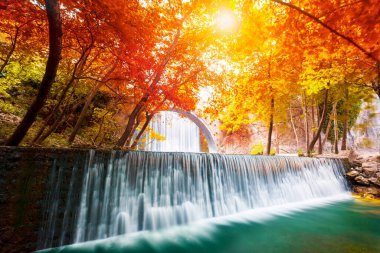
(348, 39)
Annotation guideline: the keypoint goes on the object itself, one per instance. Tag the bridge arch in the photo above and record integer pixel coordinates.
(202, 125)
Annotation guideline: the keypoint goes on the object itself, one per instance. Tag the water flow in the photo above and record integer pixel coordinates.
(136, 191)
(180, 133)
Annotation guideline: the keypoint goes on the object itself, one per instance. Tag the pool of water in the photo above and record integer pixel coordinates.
(344, 226)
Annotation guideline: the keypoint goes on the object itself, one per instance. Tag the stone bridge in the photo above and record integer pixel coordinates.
(203, 127)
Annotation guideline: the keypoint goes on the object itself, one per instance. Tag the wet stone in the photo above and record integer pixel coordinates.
(362, 180)
(352, 174)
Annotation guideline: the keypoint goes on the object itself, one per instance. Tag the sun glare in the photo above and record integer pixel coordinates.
(226, 21)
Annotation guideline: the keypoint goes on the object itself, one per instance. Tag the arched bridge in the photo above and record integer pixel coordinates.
(202, 125)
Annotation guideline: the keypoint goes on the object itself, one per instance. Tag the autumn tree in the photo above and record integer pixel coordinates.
(55, 46)
(171, 78)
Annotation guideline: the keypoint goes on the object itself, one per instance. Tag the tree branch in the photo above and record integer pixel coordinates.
(346, 38)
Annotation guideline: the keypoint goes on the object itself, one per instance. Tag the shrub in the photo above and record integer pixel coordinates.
(257, 149)
(300, 152)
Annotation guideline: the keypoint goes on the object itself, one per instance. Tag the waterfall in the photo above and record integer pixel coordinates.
(123, 192)
(180, 133)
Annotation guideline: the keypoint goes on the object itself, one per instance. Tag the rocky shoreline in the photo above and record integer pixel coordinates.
(364, 175)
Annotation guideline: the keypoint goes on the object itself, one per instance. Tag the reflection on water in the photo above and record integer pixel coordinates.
(349, 226)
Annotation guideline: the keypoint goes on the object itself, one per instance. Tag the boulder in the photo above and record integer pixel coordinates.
(374, 181)
(370, 170)
(356, 163)
(374, 158)
(369, 164)
(367, 191)
(362, 180)
(352, 174)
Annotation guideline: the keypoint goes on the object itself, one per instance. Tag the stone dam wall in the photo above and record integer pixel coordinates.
(24, 176)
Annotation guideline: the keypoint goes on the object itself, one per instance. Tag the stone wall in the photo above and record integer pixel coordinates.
(24, 173)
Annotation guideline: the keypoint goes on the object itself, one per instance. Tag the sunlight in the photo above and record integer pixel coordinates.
(225, 20)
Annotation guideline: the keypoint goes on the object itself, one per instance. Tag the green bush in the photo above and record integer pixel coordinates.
(300, 152)
(257, 149)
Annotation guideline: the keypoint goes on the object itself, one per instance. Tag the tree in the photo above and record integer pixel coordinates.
(55, 46)
(171, 80)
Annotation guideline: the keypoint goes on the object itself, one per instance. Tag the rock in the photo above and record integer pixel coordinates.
(369, 164)
(356, 163)
(375, 158)
(352, 174)
(359, 169)
(362, 180)
(365, 191)
(377, 175)
(374, 181)
(369, 171)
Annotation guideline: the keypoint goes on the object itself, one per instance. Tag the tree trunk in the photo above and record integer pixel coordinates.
(320, 149)
(13, 47)
(293, 126)
(55, 108)
(140, 105)
(277, 140)
(100, 129)
(306, 122)
(134, 128)
(324, 113)
(146, 124)
(270, 130)
(345, 125)
(336, 137)
(313, 119)
(327, 131)
(61, 118)
(131, 121)
(55, 46)
(89, 99)
(83, 113)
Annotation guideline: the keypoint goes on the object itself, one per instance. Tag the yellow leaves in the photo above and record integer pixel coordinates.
(314, 80)
(154, 135)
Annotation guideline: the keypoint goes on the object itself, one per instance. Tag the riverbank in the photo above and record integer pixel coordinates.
(364, 175)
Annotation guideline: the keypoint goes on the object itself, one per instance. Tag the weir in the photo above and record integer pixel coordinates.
(124, 192)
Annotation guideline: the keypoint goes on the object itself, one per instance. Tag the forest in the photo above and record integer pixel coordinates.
(93, 73)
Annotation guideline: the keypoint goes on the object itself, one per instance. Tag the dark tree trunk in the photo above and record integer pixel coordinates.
(270, 130)
(61, 118)
(131, 121)
(142, 131)
(54, 110)
(100, 129)
(327, 130)
(55, 46)
(13, 47)
(83, 113)
(320, 148)
(324, 113)
(89, 99)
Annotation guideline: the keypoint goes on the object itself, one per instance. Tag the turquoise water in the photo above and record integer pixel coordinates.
(348, 226)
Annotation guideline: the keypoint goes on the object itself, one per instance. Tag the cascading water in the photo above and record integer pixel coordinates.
(180, 133)
(132, 191)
